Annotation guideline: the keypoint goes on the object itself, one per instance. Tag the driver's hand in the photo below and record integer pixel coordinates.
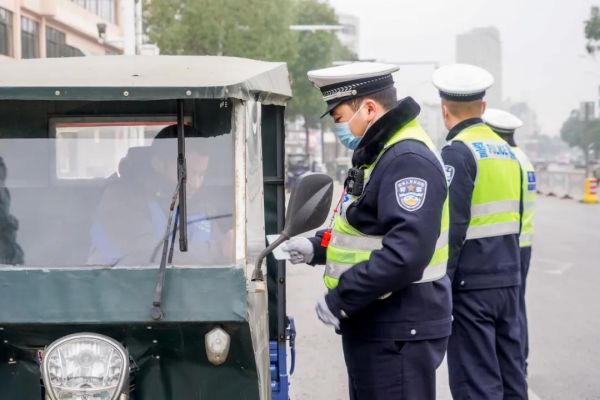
(301, 250)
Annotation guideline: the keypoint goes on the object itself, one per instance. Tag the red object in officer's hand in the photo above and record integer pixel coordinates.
(326, 238)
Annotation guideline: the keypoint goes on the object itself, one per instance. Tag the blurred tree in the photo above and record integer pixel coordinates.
(592, 31)
(581, 134)
(256, 29)
(314, 49)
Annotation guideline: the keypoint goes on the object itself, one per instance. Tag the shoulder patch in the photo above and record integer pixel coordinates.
(449, 169)
(411, 193)
(531, 181)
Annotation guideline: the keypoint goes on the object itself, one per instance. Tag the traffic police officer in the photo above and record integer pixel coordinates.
(389, 295)
(505, 124)
(484, 355)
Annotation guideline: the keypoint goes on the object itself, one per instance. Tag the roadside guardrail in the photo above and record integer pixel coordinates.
(571, 184)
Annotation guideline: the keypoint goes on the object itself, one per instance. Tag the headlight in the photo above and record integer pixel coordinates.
(217, 346)
(85, 366)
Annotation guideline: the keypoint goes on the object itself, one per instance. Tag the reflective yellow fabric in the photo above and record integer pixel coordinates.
(529, 194)
(497, 185)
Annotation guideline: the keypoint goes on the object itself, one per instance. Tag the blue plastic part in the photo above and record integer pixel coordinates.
(278, 356)
(291, 335)
(279, 377)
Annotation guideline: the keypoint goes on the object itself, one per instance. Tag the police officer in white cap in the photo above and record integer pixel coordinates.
(505, 124)
(484, 352)
(387, 249)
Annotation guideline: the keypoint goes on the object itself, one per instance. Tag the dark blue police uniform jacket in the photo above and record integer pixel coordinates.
(479, 263)
(413, 311)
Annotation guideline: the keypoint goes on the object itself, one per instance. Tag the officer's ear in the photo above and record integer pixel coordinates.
(483, 106)
(445, 112)
(371, 107)
(446, 116)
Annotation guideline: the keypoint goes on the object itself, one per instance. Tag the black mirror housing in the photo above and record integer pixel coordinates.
(309, 204)
(307, 210)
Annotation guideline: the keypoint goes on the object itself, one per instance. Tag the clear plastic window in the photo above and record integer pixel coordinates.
(97, 192)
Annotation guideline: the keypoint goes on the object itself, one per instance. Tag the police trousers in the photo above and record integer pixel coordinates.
(485, 358)
(392, 370)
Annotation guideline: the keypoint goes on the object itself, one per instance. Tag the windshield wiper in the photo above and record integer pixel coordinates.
(182, 179)
(180, 194)
(157, 313)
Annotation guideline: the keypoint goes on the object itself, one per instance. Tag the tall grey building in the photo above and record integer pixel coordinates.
(530, 128)
(482, 47)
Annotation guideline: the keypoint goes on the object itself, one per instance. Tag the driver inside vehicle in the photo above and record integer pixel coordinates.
(130, 221)
(10, 251)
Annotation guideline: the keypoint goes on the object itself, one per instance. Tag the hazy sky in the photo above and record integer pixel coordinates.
(544, 57)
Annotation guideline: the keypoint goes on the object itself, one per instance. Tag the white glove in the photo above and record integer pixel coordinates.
(325, 314)
(301, 250)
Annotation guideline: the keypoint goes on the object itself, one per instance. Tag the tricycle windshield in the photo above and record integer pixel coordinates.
(97, 191)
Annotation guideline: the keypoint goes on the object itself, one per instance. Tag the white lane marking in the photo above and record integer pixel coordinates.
(533, 396)
(556, 267)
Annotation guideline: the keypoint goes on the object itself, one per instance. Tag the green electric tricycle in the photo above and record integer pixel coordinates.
(136, 194)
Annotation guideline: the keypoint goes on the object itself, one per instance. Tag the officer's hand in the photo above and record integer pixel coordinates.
(325, 315)
(301, 250)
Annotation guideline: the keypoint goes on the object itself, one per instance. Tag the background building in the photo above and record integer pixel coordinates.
(60, 28)
(431, 120)
(530, 128)
(482, 47)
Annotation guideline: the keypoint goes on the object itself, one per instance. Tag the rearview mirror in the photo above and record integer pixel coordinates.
(308, 208)
(309, 204)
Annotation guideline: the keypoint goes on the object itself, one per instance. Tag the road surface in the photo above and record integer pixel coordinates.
(563, 298)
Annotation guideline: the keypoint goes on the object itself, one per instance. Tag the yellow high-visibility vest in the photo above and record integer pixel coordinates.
(529, 194)
(495, 203)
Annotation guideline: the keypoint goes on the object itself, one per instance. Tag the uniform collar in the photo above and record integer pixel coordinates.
(510, 139)
(462, 126)
(383, 129)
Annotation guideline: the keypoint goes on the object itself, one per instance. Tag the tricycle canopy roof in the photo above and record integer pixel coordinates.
(111, 78)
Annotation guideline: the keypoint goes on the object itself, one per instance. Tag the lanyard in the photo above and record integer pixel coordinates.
(338, 209)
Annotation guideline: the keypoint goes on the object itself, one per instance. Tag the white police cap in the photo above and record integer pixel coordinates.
(501, 121)
(345, 82)
(462, 82)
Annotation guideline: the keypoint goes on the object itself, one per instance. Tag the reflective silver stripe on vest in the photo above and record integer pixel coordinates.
(526, 238)
(500, 229)
(496, 207)
(528, 205)
(362, 243)
(371, 243)
(358, 243)
(336, 270)
(442, 240)
(431, 273)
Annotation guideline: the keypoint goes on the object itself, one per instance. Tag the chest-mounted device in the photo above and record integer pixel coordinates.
(355, 181)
